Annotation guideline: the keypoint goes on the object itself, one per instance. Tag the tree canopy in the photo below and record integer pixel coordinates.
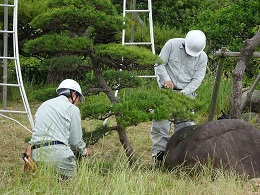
(230, 25)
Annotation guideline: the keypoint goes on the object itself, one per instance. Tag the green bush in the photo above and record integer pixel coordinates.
(44, 93)
(54, 43)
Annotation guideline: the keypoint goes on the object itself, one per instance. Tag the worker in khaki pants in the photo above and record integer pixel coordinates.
(57, 135)
(183, 69)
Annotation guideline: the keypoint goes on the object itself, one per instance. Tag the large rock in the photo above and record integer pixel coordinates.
(252, 117)
(231, 144)
(253, 102)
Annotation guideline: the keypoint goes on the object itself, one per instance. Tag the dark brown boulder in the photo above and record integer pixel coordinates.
(253, 102)
(231, 144)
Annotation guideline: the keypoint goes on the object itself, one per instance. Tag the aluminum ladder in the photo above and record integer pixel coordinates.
(133, 12)
(15, 58)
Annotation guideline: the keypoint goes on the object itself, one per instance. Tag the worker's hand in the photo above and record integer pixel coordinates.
(28, 150)
(168, 85)
(89, 152)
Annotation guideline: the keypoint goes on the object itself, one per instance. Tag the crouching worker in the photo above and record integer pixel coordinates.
(57, 135)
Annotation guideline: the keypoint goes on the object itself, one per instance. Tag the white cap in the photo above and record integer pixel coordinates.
(70, 84)
(195, 42)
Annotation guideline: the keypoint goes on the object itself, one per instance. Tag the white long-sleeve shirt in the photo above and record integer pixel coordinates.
(185, 71)
(58, 119)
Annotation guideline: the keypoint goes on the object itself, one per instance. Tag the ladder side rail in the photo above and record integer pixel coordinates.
(5, 54)
(152, 36)
(17, 65)
(15, 44)
(25, 102)
(15, 54)
(16, 122)
(151, 25)
(124, 15)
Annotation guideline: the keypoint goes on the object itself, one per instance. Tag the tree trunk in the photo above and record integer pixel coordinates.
(245, 55)
(113, 99)
(124, 141)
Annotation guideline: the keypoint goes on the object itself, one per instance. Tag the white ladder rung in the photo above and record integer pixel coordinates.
(11, 85)
(148, 76)
(138, 10)
(14, 111)
(137, 43)
(8, 58)
(6, 31)
(6, 5)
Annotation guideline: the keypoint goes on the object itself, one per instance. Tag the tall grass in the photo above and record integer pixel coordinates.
(108, 171)
(205, 92)
(98, 175)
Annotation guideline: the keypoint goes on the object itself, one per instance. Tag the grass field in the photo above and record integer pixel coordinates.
(107, 170)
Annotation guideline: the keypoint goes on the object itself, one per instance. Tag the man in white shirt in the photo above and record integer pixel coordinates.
(183, 69)
(57, 135)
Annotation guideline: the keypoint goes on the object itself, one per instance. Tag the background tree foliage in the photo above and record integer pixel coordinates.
(68, 29)
(230, 25)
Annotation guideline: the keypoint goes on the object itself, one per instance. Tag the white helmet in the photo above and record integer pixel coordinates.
(195, 42)
(69, 84)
